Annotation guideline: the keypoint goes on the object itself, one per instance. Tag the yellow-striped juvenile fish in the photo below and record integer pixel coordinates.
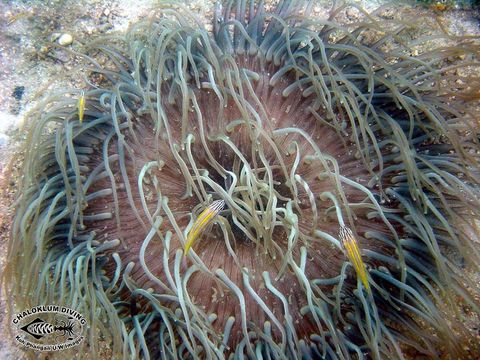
(205, 218)
(81, 106)
(353, 252)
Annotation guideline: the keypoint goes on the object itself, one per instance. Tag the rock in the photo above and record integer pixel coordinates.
(65, 39)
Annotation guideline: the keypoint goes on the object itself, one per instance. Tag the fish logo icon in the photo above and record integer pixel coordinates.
(39, 328)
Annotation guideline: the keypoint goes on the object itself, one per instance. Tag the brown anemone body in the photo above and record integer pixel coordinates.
(324, 260)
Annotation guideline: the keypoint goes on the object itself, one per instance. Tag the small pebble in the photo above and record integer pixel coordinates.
(18, 92)
(65, 39)
(352, 14)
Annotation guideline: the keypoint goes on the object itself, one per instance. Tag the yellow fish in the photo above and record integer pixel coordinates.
(353, 252)
(81, 106)
(205, 218)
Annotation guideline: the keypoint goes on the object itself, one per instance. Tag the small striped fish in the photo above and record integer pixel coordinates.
(81, 106)
(205, 218)
(353, 252)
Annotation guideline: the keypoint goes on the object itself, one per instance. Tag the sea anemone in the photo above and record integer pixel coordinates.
(342, 169)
